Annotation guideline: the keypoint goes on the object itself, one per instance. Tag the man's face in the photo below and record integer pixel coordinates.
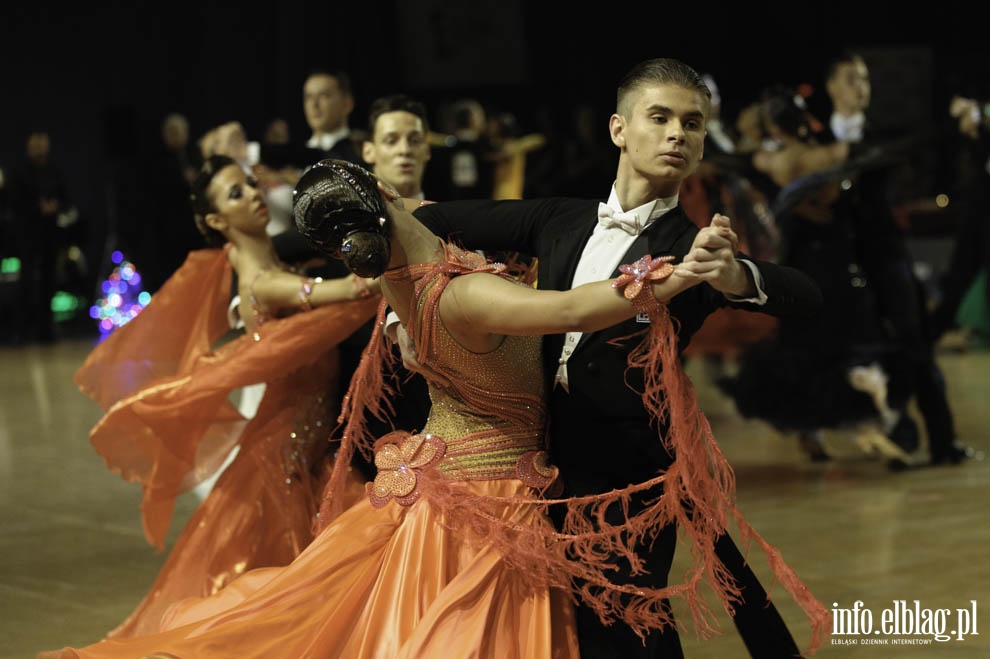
(38, 147)
(326, 106)
(661, 134)
(849, 88)
(175, 133)
(399, 151)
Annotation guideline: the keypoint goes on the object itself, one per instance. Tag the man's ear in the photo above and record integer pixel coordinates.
(617, 128)
(368, 152)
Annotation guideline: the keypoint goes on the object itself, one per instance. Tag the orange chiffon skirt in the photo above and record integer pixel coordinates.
(259, 513)
(169, 423)
(391, 582)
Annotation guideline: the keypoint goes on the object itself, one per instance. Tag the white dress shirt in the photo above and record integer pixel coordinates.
(602, 255)
(847, 128)
(327, 141)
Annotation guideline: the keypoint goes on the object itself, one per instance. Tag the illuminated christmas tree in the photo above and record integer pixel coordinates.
(123, 298)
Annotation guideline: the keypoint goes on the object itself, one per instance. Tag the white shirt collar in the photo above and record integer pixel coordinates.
(326, 141)
(649, 211)
(847, 128)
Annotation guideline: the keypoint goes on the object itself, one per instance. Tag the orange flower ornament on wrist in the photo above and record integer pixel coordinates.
(635, 275)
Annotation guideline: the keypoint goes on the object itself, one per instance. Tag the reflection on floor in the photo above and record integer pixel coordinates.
(75, 561)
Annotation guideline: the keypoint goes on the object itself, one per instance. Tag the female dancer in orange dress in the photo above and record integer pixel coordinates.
(165, 388)
(452, 552)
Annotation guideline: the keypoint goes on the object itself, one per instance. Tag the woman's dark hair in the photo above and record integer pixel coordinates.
(202, 204)
(338, 207)
(784, 107)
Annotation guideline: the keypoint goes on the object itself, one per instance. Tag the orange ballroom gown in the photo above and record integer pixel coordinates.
(169, 423)
(419, 567)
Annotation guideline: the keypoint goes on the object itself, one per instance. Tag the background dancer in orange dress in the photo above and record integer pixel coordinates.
(165, 383)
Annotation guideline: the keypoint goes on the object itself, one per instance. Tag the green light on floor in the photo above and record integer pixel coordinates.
(10, 265)
(63, 301)
(66, 305)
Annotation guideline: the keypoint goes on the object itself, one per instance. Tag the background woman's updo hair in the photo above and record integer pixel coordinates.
(784, 107)
(338, 207)
(202, 203)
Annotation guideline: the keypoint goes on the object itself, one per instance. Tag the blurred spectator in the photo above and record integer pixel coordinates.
(277, 182)
(175, 140)
(43, 217)
(10, 273)
(158, 244)
(276, 132)
(229, 139)
(544, 166)
(511, 152)
(964, 287)
(328, 101)
(589, 157)
(463, 165)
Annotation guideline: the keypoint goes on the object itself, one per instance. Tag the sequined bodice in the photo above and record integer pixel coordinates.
(495, 410)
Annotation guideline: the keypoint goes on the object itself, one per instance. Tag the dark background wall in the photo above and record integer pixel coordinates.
(100, 78)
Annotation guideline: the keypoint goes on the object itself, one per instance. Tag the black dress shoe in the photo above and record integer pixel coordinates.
(906, 462)
(905, 434)
(813, 444)
(953, 455)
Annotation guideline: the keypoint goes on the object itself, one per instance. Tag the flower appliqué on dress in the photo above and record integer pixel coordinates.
(399, 466)
(635, 275)
(534, 469)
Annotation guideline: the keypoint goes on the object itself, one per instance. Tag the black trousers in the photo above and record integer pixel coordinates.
(903, 309)
(757, 620)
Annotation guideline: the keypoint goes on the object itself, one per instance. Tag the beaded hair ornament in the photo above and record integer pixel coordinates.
(337, 206)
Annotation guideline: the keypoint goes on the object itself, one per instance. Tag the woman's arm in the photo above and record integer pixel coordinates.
(280, 291)
(793, 162)
(477, 309)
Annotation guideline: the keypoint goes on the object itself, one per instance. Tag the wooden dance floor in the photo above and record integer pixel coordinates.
(74, 560)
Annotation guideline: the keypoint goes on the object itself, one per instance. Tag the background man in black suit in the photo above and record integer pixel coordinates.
(883, 250)
(397, 150)
(328, 100)
(600, 434)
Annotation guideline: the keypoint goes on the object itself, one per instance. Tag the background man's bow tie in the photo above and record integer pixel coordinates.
(628, 222)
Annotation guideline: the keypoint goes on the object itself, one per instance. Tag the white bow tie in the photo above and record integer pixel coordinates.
(628, 222)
